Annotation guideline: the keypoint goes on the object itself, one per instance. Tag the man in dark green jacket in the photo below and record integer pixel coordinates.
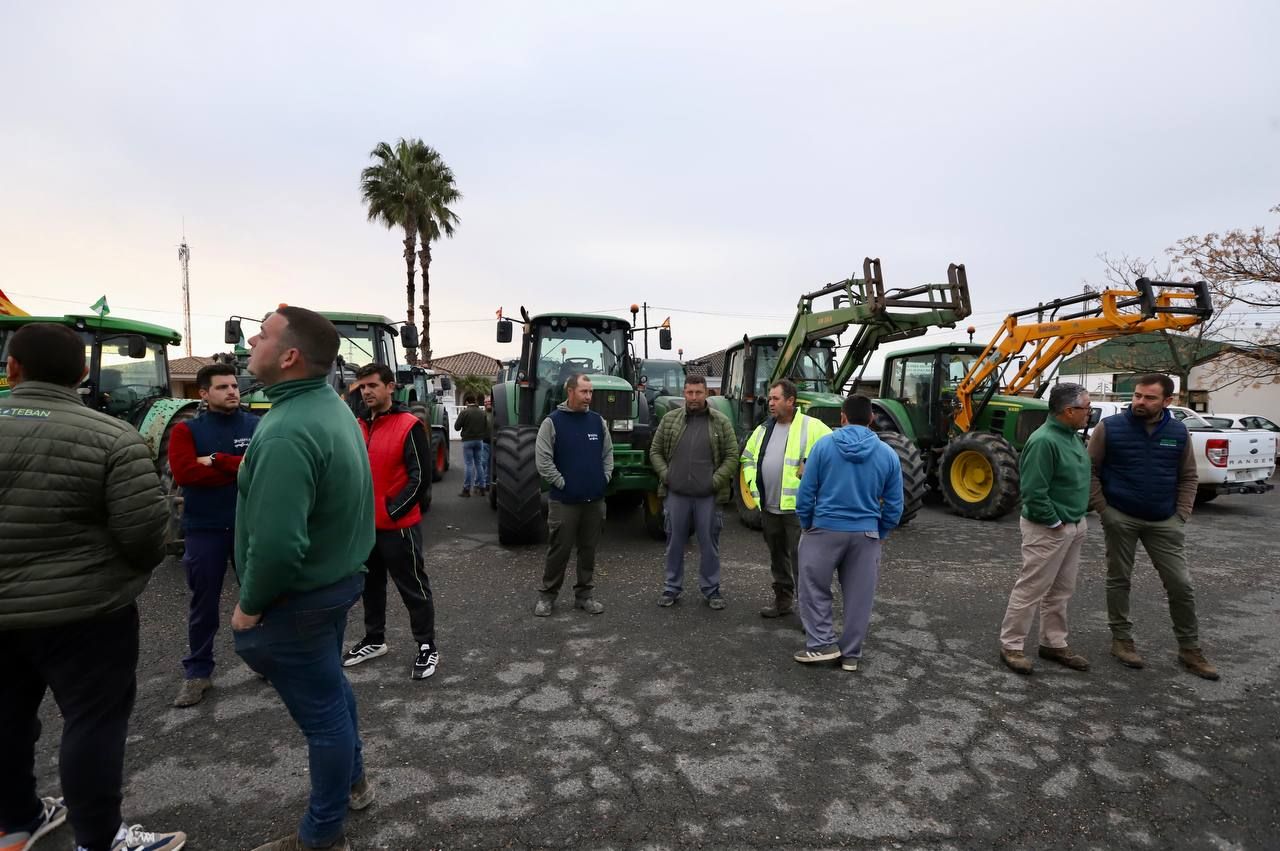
(304, 526)
(1054, 474)
(695, 456)
(82, 523)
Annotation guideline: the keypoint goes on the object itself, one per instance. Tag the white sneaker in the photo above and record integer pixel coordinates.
(134, 838)
(51, 817)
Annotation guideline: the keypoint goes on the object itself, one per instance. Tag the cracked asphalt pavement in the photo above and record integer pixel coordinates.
(684, 727)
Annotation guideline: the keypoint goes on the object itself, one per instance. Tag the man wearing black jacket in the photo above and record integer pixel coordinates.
(399, 451)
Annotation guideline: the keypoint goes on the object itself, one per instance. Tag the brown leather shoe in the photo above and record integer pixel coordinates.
(781, 606)
(1193, 660)
(1016, 661)
(1126, 653)
(1065, 656)
(192, 691)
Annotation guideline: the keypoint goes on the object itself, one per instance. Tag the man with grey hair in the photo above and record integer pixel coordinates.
(1055, 472)
(575, 457)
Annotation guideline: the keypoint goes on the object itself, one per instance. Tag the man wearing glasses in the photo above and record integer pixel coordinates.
(1055, 472)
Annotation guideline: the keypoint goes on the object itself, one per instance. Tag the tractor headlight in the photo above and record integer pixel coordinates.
(623, 425)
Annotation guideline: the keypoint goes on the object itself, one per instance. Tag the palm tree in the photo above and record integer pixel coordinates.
(435, 220)
(393, 191)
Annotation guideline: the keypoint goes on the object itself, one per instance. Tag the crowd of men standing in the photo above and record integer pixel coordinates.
(317, 509)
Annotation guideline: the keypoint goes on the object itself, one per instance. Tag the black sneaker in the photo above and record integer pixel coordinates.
(425, 665)
(667, 599)
(363, 652)
(716, 602)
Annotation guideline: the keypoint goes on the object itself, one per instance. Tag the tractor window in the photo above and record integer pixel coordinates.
(125, 382)
(362, 343)
(732, 377)
(564, 351)
(767, 355)
(957, 366)
(813, 369)
(913, 379)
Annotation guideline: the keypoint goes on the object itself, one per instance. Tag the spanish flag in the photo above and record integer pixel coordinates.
(8, 308)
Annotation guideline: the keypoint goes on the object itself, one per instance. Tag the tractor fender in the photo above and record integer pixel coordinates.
(891, 415)
(158, 418)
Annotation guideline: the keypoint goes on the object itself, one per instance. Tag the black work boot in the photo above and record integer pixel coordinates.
(781, 606)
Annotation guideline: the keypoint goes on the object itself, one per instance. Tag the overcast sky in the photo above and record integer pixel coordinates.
(714, 159)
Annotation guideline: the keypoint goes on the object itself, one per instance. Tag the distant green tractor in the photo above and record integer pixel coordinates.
(128, 379)
(661, 378)
(369, 338)
(553, 347)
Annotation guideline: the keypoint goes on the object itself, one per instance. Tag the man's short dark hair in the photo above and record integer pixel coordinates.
(571, 382)
(49, 352)
(1065, 395)
(313, 336)
(1165, 382)
(384, 373)
(204, 378)
(857, 410)
(695, 379)
(787, 386)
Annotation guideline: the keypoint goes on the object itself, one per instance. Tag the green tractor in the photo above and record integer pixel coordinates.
(129, 380)
(807, 355)
(661, 378)
(368, 338)
(553, 347)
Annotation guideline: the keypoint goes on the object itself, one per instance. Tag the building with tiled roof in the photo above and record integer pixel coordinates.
(182, 376)
(466, 363)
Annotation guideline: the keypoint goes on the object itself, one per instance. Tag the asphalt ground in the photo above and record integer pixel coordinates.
(684, 727)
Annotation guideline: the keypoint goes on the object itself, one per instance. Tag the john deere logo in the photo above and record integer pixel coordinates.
(612, 398)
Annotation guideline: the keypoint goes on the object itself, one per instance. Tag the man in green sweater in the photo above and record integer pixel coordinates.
(1054, 472)
(305, 524)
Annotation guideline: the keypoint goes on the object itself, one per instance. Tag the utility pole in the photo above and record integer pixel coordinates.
(184, 257)
(645, 305)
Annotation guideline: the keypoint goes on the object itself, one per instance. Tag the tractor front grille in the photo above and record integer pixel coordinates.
(612, 404)
(830, 417)
(1028, 422)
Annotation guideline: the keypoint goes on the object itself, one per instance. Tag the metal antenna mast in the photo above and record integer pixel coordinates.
(184, 257)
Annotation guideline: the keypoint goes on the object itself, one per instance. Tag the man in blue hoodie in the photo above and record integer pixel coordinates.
(850, 498)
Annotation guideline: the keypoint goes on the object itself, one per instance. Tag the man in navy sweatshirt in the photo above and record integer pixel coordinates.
(850, 498)
(204, 456)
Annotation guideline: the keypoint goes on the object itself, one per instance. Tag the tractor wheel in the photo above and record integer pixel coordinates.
(979, 476)
(655, 522)
(748, 510)
(173, 536)
(439, 454)
(519, 492)
(914, 479)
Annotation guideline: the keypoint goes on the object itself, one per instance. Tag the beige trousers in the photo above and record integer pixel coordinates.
(1050, 561)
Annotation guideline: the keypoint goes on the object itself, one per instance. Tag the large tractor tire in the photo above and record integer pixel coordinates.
(914, 478)
(173, 537)
(979, 476)
(439, 453)
(748, 509)
(519, 492)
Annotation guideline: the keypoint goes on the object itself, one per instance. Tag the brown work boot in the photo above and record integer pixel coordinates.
(781, 606)
(192, 691)
(1126, 653)
(1193, 660)
(1065, 656)
(465, 492)
(1016, 661)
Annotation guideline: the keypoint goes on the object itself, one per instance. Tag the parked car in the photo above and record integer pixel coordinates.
(1228, 460)
(1241, 421)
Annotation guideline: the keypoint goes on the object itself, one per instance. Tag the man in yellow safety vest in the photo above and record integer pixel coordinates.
(772, 464)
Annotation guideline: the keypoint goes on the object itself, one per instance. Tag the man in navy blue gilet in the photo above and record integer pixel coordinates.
(575, 457)
(204, 455)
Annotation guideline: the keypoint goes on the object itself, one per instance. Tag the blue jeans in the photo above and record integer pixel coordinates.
(477, 471)
(297, 646)
(706, 519)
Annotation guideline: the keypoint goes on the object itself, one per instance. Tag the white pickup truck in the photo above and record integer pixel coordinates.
(1228, 460)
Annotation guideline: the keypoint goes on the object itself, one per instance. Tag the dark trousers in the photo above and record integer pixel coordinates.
(782, 535)
(297, 646)
(207, 553)
(577, 525)
(89, 665)
(398, 553)
(705, 518)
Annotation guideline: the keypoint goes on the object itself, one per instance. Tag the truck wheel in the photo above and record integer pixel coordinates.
(914, 479)
(518, 489)
(173, 537)
(979, 476)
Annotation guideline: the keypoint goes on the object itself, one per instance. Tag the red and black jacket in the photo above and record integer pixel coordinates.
(398, 454)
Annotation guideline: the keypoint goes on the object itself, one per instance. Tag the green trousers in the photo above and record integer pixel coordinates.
(1163, 541)
(574, 525)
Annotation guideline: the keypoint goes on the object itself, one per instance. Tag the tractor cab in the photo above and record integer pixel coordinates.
(924, 382)
(748, 367)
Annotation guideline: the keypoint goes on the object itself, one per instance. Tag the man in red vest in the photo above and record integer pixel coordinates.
(399, 456)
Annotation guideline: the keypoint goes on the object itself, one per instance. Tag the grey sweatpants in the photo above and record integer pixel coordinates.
(855, 557)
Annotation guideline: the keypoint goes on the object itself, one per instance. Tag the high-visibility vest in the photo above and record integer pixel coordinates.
(801, 436)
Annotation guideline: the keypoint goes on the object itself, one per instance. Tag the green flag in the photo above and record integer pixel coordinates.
(100, 306)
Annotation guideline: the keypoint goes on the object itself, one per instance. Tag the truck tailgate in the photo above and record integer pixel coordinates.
(1252, 455)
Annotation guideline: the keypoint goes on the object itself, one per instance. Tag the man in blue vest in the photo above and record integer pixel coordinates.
(204, 455)
(575, 457)
(1144, 486)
